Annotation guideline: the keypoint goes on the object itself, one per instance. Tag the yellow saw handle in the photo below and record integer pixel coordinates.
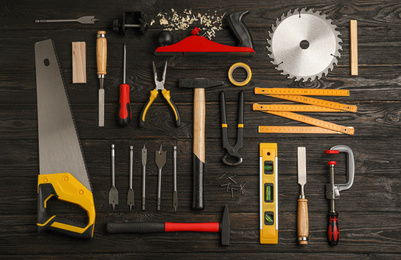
(66, 188)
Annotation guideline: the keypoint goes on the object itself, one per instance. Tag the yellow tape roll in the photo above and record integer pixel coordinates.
(248, 74)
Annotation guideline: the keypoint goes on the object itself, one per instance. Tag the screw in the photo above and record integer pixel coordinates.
(222, 185)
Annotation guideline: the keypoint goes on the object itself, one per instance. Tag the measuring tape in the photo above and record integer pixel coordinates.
(314, 121)
(293, 108)
(295, 130)
(268, 174)
(302, 92)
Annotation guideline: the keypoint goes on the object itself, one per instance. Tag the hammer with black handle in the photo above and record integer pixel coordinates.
(199, 86)
(223, 227)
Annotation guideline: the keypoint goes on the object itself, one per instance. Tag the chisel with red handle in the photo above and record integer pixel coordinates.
(125, 113)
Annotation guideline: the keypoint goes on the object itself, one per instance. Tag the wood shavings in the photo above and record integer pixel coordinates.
(187, 19)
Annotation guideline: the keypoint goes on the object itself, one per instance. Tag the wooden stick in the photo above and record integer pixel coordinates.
(354, 47)
(78, 62)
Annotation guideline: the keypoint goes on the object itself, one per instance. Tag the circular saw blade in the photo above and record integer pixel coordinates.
(304, 44)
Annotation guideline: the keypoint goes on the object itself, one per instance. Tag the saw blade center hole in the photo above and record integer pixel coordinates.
(304, 44)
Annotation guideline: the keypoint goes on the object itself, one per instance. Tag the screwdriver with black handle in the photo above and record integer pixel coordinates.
(101, 60)
(125, 113)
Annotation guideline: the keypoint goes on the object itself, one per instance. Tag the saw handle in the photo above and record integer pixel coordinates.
(239, 29)
(66, 188)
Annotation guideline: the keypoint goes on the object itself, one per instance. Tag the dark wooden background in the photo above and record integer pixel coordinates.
(369, 211)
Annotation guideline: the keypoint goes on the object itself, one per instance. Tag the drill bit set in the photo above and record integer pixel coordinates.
(160, 160)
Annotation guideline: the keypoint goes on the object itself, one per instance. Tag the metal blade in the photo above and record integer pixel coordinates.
(59, 148)
(160, 158)
(302, 166)
(304, 44)
(144, 155)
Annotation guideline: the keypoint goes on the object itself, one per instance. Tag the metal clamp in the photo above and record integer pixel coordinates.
(333, 191)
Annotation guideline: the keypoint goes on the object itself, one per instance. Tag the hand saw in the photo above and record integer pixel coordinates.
(62, 170)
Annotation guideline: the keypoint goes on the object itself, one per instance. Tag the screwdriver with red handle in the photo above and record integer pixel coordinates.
(333, 231)
(125, 113)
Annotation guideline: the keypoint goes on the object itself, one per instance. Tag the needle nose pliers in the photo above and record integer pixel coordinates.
(153, 96)
(232, 151)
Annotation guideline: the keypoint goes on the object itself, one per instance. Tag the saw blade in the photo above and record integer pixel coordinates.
(59, 147)
(304, 45)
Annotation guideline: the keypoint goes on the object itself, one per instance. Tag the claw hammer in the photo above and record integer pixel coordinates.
(199, 86)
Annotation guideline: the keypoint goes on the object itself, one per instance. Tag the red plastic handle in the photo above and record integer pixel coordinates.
(333, 231)
(198, 227)
(125, 114)
(332, 151)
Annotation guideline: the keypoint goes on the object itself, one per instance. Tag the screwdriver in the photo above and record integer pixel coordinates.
(101, 60)
(125, 114)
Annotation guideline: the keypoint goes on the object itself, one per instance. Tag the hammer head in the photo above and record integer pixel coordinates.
(225, 227)
(199, 83)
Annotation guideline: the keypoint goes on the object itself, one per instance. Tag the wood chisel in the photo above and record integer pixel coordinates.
(101, 60)
(62, 169)
(302, 216)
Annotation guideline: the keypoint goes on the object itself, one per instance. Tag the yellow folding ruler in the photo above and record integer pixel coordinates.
(314, 105)
(268, 174)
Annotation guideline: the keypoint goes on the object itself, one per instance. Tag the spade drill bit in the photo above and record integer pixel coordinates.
(130, 196)
(144, 157)
(175, 195)
(160, 158)
(113, 193)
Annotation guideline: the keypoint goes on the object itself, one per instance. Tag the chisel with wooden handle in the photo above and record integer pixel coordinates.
(302, 218)
(101, 60)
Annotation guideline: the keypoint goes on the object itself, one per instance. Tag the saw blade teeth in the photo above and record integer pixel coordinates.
(330, 23)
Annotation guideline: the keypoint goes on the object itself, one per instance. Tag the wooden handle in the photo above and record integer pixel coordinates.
(354, 47)
(101, 52)
(199, 123)
(199, 148)
(303, 222)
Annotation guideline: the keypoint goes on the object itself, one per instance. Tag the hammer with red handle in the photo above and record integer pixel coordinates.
(223, 227)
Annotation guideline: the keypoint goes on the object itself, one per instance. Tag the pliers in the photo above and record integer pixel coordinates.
(153, 96)
(232, 151)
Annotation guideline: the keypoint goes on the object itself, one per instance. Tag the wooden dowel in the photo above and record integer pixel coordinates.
(354, 47)
(78, 62)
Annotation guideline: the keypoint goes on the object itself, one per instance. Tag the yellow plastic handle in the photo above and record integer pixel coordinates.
(166, 95)
(66, 188)
(152, 97)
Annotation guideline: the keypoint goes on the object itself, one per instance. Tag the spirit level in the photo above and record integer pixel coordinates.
(268, 193)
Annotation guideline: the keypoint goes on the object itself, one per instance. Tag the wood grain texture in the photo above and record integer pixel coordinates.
(353, 28)
(78, 62)
(369, 212)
